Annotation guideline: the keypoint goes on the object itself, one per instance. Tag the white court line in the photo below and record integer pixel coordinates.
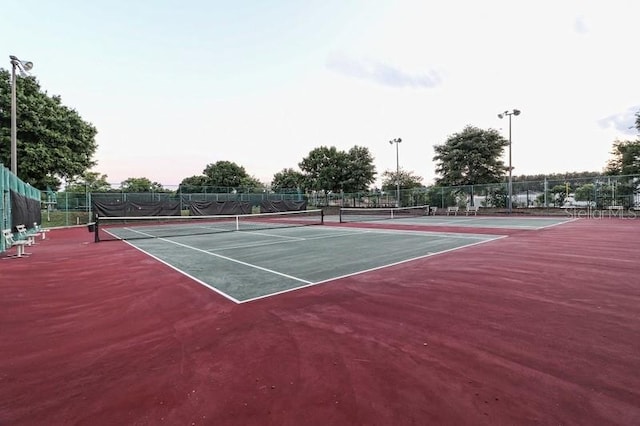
(307, 283)
(267, 243)
(230, 259)
(165, 229)
(504, 224)
(221, 293)
(273, 235)
(556, 224)
(361, 231)
(460, 235)
(371, 269)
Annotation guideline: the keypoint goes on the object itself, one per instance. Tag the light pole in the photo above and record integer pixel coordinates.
(397, 142)
(501, 115)
(23, 67)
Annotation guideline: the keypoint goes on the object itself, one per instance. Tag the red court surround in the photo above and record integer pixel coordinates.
(540, 328)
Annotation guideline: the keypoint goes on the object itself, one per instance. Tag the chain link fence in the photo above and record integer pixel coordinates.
(547, 196)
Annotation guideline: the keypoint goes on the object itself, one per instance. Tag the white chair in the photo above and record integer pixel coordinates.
(39, 229)
(18, 244)
(24, 234)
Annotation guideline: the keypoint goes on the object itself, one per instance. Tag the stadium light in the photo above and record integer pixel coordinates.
(515, 112)
(397, 142)
(23, 67)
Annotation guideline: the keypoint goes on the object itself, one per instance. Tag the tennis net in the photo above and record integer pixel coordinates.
(138, 227)
(354, 214)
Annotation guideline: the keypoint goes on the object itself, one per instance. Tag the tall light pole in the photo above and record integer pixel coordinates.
(23, 67)
(502, 115)
(397, 142)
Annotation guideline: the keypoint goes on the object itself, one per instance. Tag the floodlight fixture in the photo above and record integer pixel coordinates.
(23, 67)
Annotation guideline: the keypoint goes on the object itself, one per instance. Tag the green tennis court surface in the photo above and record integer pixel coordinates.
(248, 265)
(513, 222)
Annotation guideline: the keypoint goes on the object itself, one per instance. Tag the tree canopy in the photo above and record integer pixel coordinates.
(328, 169)
(222, 174)
(407, 180)
(288, 179)
(470, 157)
(625, 155)
(141, 184)
(361, 172)
(53, 141)
(626, 158)
(89, 182)
(555, 176)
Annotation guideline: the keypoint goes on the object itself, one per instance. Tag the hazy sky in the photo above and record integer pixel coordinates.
(175, 85)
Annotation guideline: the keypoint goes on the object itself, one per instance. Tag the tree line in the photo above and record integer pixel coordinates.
(55, 144)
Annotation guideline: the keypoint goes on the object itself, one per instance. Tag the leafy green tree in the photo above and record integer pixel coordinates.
(222, 175)
(327, 169)
(626, 158)
(250, 182)
(470, 157)
(497, 197)
(53, 140)
(537, 182)
(625, 163)
(585, 192)
(141, 184)
(229, 174)
(194, 184)
(559, 194)
(556, 176)
(361, 172)
(324, 169)
(439, 196)
(407, 180)
(89, 182)
(288, 179)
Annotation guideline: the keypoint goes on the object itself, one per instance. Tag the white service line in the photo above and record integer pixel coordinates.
(429, 254)
(230, 259)
(267, 243)
(199, 281)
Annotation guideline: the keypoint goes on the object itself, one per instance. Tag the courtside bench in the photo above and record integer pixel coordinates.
(25, 234)
(453, 210)
(11, 242)
(472, 210)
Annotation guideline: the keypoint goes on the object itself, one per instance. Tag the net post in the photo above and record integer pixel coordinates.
(321, 216)
(96, 235)
(237, 223)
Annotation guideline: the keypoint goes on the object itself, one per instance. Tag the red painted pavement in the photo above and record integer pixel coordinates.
(542, 327)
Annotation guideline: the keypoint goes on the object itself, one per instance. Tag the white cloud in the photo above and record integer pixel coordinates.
(381, 73)
(580, 25)
(623, 122)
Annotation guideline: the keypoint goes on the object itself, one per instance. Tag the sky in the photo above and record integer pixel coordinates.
(173, 86)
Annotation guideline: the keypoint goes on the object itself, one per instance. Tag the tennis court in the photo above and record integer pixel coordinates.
(412, 324)
(356, 215)
(280, 252)
(248, 265)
